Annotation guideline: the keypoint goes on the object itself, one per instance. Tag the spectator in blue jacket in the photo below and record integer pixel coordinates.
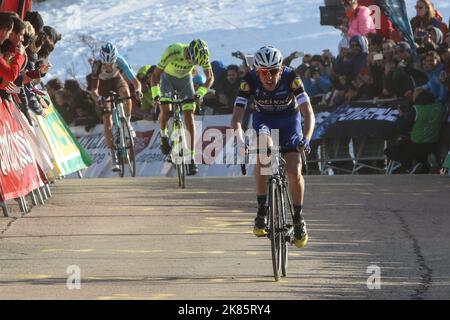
(316, 83)
(434, 68)
(355, 62)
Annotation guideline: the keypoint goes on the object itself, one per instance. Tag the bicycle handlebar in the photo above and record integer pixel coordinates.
(269, 150)
(184, 101)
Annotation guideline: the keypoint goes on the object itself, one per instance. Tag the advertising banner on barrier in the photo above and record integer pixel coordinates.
(214, 150)
(66, 153)
(356, 120)
(38, 146)
(18, 170)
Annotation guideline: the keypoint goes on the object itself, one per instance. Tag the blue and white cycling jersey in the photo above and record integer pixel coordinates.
(278, 109)
(284, 100)
(121, 66)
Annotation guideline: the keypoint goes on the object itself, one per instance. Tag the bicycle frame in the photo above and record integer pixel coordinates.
(180, 154)
(117, 115)
(122, 139)
(280, 180)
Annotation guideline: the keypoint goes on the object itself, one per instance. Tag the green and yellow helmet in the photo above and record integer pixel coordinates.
(199, 52)
(144, 71)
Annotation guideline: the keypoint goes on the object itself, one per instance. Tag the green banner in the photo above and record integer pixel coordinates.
(68, 155)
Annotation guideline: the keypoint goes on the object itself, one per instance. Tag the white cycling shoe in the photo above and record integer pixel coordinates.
(114, 162)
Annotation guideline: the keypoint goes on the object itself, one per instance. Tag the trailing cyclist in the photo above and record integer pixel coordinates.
(108, 75)
(174, 72)
(280, 101)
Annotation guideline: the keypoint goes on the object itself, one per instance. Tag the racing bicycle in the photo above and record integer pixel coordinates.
(122, 139)
(180, 154)
(280, 226)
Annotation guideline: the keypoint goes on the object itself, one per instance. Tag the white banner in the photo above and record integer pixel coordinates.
(211, 139)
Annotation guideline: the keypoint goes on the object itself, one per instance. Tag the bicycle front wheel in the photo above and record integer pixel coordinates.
(127, 156)
(181, 170)
(178, 152)
(275, 232)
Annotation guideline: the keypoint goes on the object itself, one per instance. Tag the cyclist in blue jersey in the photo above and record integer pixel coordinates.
(108, 74)
(280, 101)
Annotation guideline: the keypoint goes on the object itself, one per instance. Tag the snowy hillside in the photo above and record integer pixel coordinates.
(142, 29)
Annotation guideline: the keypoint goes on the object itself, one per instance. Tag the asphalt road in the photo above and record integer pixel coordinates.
(146, 239)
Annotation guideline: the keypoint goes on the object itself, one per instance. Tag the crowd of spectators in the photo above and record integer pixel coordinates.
(29, 43)
(371, 65)
(378, 65)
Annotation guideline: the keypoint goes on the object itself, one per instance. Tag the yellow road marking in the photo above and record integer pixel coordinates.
(161, 296)
(201, 252)
(68, 250)
(139, 251)
(32, 276)
(251, 253)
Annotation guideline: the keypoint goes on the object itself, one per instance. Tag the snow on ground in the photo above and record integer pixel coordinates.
(142, 29)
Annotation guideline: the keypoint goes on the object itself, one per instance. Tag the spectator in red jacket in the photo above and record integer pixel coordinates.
(9, 71)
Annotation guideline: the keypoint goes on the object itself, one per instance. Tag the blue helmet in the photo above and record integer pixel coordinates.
(108, 53)
(199, 79)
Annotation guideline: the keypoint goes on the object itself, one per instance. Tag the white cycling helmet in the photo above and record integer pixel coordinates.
(268, 57)
(108, 53)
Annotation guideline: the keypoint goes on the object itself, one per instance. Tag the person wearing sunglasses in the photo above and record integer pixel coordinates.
(280, 101)
(174, 72)
(426, 15)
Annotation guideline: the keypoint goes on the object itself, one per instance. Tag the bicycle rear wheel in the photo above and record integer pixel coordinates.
(127, 157)
(275, 233)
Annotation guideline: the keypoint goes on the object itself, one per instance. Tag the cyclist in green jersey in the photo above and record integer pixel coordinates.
(174, 72)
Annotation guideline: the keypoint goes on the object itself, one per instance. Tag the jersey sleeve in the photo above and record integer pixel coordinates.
(165, 59)
(125, 68)
(245, 91)
(298, 89)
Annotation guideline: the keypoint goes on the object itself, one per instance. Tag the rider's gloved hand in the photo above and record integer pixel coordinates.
(156, 94)
(304, 146)
(198, 100)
